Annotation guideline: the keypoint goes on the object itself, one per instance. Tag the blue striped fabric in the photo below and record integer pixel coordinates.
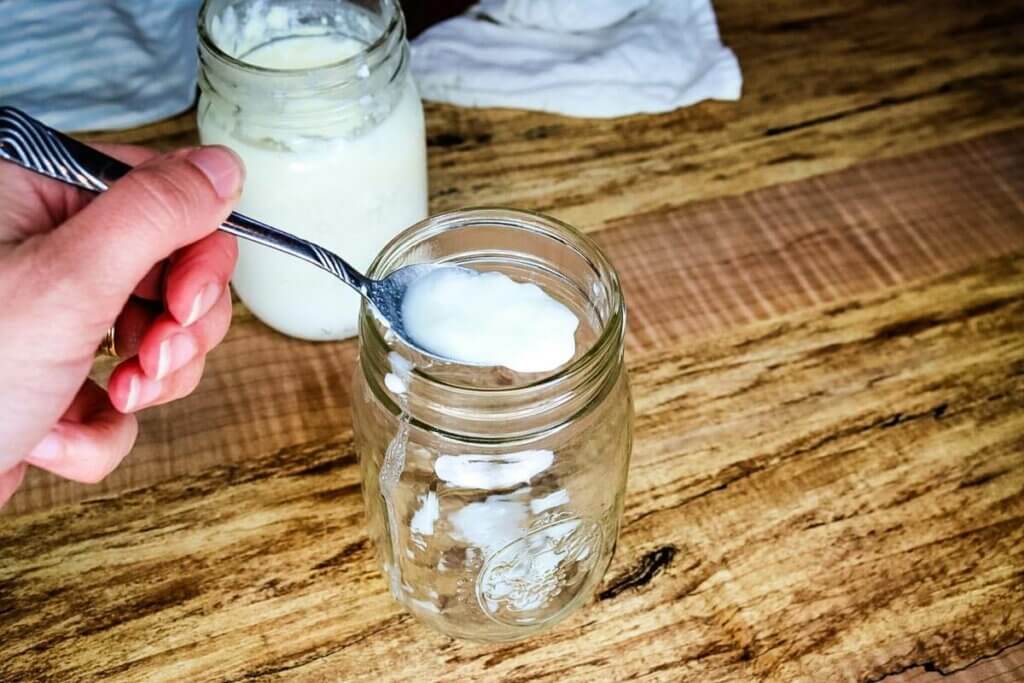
(89, 64)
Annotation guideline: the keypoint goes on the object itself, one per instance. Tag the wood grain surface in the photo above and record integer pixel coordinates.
(686, 273)
(837, 494)
(826, 84)
(826, 290)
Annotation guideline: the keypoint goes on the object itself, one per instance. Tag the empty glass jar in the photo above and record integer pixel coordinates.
(494, 498)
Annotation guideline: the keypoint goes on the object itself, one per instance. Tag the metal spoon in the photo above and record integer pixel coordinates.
(31, 144)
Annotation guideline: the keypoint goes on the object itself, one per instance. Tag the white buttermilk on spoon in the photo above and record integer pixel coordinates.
(487, 318)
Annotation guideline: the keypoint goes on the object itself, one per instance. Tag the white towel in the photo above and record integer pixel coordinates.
(90, 64)
(588, 58)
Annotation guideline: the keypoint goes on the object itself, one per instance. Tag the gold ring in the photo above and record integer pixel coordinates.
(108, 347)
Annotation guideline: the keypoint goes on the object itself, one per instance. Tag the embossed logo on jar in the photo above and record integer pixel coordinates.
(536, 577)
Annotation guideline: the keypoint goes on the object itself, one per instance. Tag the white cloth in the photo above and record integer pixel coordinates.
(89, 64)
(587, 58)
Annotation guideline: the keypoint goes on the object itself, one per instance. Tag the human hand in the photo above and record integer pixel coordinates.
(146, 255)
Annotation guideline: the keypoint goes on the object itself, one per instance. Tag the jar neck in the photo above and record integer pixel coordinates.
(363, 86)
(493, 405)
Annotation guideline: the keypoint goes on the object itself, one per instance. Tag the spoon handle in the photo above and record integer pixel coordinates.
(35, 146)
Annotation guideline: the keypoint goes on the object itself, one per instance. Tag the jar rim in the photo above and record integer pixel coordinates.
(352, 62)
(605, 348)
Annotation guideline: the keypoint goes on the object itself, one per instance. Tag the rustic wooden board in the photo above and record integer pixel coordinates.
(716, 264)
(827, 85)
(802, 505)
(689, 272)
(833, 495)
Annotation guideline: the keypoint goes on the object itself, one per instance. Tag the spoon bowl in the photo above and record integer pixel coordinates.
(386, 297)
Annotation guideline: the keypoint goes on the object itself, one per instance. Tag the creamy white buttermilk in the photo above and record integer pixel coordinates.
(489, 319)
(349, 177)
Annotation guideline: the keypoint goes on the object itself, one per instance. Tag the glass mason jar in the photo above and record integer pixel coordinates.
(317, 100)
(493, 497)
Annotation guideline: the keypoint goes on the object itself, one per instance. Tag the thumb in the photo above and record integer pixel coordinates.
(97, 257)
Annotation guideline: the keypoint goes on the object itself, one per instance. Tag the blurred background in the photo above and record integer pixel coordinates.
(419, 15)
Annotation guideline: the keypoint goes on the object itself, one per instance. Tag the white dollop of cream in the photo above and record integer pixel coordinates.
(424, 605)
(423, 519)
(489, 319)
(491, 524)
(552, 500)
(492, 471)
(401, 372)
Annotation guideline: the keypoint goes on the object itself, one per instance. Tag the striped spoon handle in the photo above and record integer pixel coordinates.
(33, 145)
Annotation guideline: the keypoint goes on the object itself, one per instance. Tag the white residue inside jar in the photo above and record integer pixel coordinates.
(394, 463)
(304, 52)
(490, 472)
(280, 37)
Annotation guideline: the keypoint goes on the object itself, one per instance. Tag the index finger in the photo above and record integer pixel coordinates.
(104, 251)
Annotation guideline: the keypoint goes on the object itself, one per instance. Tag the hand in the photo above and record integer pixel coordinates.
(146, 255)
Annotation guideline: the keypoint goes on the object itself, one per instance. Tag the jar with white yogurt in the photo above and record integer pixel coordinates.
(316, 98)
(494, 495)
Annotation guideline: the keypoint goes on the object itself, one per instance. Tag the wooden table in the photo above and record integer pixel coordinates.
(826, 290)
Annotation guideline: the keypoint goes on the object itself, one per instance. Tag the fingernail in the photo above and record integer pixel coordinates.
(141, 392)
(221, 166)
(203, 302)
(133, 394)
(49, 450)
(175, 352)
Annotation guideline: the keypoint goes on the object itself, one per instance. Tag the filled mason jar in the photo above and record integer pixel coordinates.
(494, 497)
(316, 98)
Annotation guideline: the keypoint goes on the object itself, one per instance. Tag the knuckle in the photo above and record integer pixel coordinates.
(189, 379)
(228, 250)
(219, 325)
(218, 252)
(167, 199)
